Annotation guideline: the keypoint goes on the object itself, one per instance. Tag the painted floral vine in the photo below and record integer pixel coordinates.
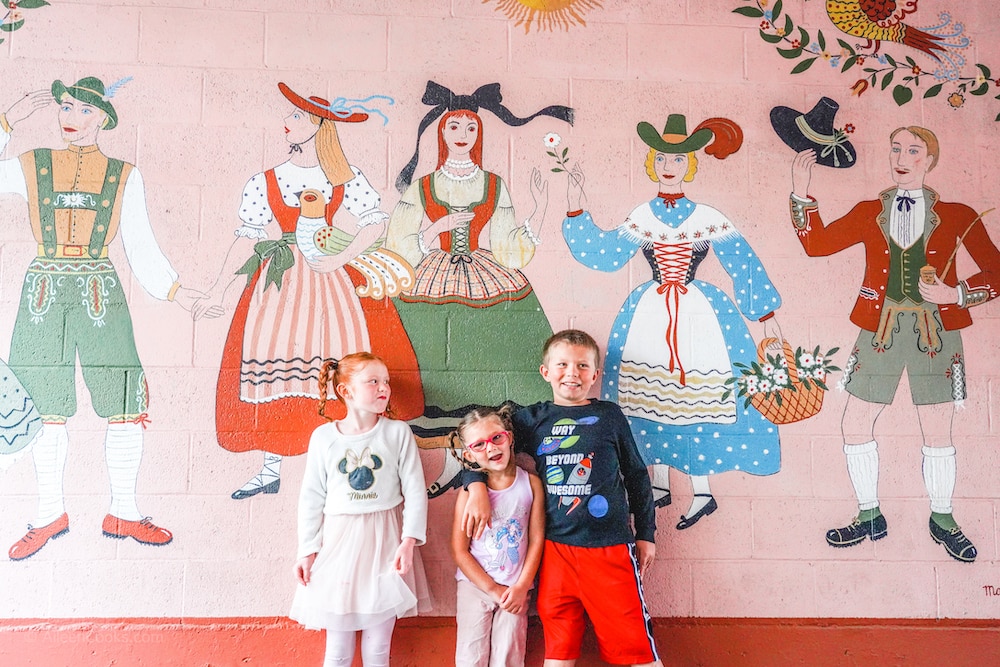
(881, 70)
(13, 19)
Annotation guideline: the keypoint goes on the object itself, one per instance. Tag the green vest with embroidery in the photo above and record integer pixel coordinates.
(904, 271)
(49, 201)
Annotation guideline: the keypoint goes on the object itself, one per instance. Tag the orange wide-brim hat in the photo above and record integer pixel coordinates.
(317, 106)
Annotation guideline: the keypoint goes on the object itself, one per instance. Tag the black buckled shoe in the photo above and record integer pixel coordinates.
(710, 506)
(661, 496)
(955, 542)
(875, 528)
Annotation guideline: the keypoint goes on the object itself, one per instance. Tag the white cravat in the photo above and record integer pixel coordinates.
(907, 216)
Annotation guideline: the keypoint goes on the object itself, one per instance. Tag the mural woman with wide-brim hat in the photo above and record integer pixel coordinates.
(300, 305)
(675, 340)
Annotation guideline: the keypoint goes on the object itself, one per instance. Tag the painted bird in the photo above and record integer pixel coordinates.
(882, 21)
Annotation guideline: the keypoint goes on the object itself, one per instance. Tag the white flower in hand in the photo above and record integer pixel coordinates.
(551, 140)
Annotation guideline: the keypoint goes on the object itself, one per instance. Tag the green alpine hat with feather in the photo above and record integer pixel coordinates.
(89, 90)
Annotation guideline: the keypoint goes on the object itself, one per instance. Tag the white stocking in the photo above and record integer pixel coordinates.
(660, 476)
(123, 452)
(339, 648)
(939, 476)
(862, 466)
(702, 494)
(376, 642)
(49, 452)
(268, 473)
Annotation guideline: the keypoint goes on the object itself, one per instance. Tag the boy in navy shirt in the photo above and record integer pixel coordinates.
(596, 486)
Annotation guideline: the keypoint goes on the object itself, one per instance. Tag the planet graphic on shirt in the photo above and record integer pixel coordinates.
(554, 475)
(597, 506)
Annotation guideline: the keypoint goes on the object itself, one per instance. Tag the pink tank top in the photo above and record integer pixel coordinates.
(501, 549)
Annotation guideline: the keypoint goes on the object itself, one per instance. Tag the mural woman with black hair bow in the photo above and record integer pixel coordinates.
(457, 227)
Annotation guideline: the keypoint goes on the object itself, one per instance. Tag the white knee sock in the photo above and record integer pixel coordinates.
(702, 494)
(862, 466)
(123, 453)
(339, 648)
(375, 644)
(660, 476)
(49, 452)
(939, 476)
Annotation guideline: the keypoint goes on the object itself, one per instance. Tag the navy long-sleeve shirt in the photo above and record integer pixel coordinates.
(596, 483)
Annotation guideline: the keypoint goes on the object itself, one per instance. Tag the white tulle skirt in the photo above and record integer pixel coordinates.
(353, 584)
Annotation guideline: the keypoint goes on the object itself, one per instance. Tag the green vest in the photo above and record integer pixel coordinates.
(49, 201)
(904, 271)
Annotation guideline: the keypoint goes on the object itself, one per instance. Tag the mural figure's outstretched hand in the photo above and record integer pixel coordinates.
(187, 298)
(209, 306)
(574, 188)
(773, 330)
(802, 172)
(539, 188)
(27, 105)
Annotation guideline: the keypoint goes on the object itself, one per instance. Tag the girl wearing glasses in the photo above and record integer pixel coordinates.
(496, 570)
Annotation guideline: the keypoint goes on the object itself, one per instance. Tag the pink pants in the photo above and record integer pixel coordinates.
(487, 635)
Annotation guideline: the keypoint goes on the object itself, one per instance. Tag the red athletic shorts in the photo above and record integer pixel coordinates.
(602, 582)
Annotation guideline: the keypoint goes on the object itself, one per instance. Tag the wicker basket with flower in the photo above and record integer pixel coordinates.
(786, 387)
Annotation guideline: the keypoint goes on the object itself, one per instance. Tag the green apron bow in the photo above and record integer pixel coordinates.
(280, 256)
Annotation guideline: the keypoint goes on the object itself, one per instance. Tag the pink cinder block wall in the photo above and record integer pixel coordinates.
(202, 114)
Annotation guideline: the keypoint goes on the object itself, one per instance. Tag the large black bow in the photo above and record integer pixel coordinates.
(485, 97)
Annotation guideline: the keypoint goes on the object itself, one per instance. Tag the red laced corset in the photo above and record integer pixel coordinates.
(672, 262)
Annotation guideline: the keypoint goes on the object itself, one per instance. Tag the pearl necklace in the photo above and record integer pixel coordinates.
(459, 165)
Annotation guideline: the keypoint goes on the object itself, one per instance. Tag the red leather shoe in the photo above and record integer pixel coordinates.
(37, 538)
(144, 531)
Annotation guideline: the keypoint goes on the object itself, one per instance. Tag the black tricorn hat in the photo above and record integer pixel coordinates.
(815, 130)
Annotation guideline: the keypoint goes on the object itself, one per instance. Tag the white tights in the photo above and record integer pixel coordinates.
(375, 644)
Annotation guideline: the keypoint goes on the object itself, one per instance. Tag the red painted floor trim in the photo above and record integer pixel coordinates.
(429, 642)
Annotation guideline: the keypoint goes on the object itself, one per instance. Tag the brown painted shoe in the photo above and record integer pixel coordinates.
(37, 538)
(144, 531)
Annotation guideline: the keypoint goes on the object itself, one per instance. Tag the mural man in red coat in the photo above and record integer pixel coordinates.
(911, 309)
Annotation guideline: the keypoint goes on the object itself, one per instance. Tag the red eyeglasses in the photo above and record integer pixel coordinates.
(498, 439)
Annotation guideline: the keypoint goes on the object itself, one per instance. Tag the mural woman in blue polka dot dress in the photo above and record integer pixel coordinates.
(674, 342)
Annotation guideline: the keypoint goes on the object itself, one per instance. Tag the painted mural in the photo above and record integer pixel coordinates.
(467, 292)
(673, 345)
(318, 292)
(942, 46)
(911, 309)
(831, 504)
(73, 303)
(14, 18)
(545, 14)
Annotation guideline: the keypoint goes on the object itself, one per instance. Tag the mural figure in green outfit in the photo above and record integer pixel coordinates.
(471, 314)
(911, 309)
(73, 304)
